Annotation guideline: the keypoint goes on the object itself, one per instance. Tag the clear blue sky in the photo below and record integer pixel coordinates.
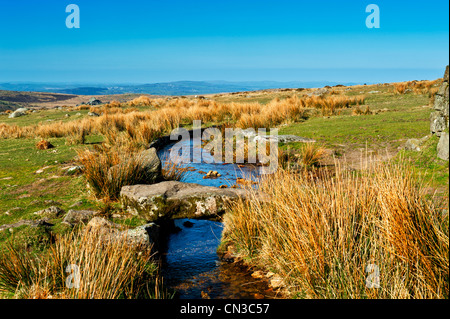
(138, 41)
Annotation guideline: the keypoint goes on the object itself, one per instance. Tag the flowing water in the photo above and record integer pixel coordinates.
(190, 263)
(200, 162)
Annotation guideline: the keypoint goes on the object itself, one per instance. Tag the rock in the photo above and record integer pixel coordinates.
(75, 217)
(439, 120)
(146, 236)
(273, 138)
(276, 281)
(16, 114)
(443, 147)
(93, 114)
(22, 109)
(175, 199)
(94, 101)
(152, 165)
(51, 212)
(74, 170)
(321, 92)
(412, 144)
(437, 123)
(212, 174)
(99, 222)
(284, 139)
(188, 224)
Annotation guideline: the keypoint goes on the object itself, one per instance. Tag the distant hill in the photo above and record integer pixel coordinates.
(167, 88)
(11, 100)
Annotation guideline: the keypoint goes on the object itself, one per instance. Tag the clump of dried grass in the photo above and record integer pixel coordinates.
(44, 145)
(322, 234)
(108, 169)
(107, 269)
(359, 111)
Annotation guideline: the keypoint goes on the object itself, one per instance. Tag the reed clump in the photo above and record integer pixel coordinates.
(325, 236)
(81, 265)
(108, 169)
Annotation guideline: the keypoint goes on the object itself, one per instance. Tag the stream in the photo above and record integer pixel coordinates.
(190, 263)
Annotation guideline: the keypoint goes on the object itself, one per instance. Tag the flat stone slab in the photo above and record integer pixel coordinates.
(173, 199)
(144, 237)
(284, 139)
(290, 138)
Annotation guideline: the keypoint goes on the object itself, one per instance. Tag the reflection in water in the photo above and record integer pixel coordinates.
(192, 266)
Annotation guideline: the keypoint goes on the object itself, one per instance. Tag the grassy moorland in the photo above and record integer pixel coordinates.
(389, 211)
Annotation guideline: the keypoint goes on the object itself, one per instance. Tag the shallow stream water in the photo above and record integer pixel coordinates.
(190, 263)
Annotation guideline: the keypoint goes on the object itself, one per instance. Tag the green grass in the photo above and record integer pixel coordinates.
(23, 191)
(427, 166)
(405, 118)
(43, 117)
(21, 186)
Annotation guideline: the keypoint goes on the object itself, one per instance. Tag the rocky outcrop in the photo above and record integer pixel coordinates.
(75, 217)
(143, 237)
(174, 199)
(94, 101)
(440, 118)
(415, 144)
(284, 139)
(443, 148)
(152, 165)
(251, 134)
(51, 212)
(18, 112)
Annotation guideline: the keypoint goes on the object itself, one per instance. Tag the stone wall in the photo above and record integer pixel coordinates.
(440, 118)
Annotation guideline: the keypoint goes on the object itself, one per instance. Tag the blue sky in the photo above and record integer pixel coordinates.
(143, 41)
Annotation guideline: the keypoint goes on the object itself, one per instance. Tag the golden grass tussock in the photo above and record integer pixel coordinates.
(400, 88)
(326, 236)
(44, 145)
(359, 111)
(108, 169)
(416, 87)
(311, 154)
(100, 267)
(141, 101)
